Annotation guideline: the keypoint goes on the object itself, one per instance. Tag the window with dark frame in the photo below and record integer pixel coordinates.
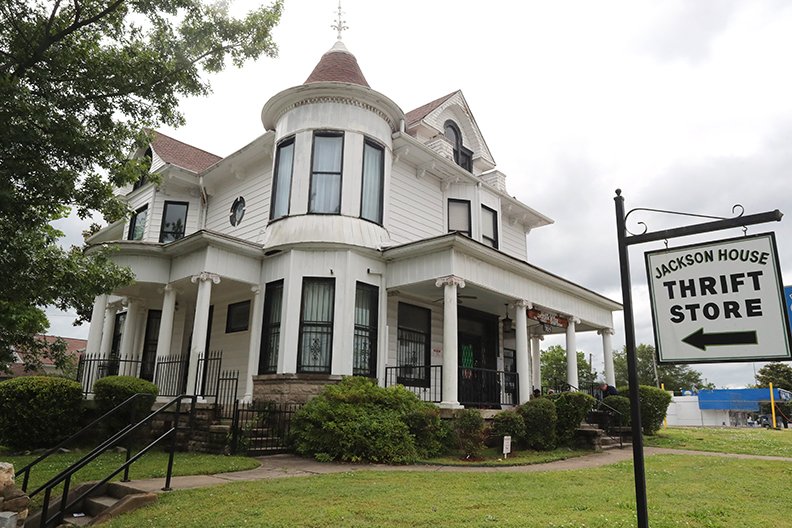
(174, 221)
(281, 179)
(137, 223)
(270, 339)
(238, 317)
(315, 347)
(489, 226)
(414, 339)
(373, 181)
(364, 347)
(462, 156)
(326, 166)
(459, 216)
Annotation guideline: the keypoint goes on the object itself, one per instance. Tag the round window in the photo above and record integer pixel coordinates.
(237, 211)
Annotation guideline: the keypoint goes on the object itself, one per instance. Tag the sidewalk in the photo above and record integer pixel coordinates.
(281, 466)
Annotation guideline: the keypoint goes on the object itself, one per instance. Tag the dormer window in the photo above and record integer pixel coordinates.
(326, 165)
(462, 156)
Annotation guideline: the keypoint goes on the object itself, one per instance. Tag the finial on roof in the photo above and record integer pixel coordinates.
(340, 24)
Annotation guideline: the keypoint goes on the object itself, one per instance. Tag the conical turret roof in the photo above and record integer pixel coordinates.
(338, 65)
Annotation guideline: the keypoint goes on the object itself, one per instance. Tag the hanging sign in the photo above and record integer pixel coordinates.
(547, 318)
(719, 301)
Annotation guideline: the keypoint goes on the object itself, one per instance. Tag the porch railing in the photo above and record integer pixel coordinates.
(170, 375)
(92, 367)
(485, 387)
(424, 382)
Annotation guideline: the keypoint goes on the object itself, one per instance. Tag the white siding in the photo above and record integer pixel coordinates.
(254, 184)
(415, 206)
(512, 239)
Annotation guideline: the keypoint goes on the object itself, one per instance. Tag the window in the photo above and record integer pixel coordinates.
(174, 219)
(489, 226)
(325, 193)
(414, 333)
(237, 212)
(281, 181)
(315, 346)
(462, 156)
(137, 224)
(373, 176)
(270, 340)
(237, 317)
(459, 216)
(365, 340)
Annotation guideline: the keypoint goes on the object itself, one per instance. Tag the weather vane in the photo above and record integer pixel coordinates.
(340, 24)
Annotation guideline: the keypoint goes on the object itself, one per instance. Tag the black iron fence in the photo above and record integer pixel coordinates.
(425, 382)
(262, 428)
(170, 375)
(227, 388)
(488, 388)
(92, 367)
(208, 375)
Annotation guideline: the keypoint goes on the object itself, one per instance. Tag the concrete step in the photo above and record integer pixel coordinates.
(95, 505)
(81, 519)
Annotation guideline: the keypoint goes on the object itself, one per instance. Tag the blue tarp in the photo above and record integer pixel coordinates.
(738, 399)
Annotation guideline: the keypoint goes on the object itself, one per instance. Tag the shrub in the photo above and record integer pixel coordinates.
(111, 391)
(356, 420)
(654, 405)
(469, 431)
(571, 408)
(509, 423)
(621, 404)
(38, 411)
(540, 418)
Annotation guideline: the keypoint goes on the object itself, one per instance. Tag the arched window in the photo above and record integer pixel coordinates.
(462, 156)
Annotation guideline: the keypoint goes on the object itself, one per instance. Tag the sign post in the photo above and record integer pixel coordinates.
(626, 239)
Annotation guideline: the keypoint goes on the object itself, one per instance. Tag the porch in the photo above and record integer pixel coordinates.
(477, 387)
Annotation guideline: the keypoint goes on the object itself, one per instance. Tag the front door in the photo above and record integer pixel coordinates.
(478, 340)
(150, 345)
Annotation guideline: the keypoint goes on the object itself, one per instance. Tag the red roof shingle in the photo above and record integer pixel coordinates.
(182, 155)
(338, 65)
(413, 116)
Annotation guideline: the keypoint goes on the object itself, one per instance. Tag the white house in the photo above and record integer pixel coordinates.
(349, 239)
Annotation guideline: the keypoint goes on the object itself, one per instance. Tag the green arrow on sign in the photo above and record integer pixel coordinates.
(701, 340)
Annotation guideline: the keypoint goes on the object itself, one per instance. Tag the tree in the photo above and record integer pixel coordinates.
(554, 368)
(80, 81)
(779, 374)
(673, 377)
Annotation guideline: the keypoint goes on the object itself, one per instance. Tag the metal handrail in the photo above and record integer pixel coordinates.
(65, 476)
(26, 470)
(609, 409)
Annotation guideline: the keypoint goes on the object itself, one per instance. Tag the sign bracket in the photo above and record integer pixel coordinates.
(626, 239)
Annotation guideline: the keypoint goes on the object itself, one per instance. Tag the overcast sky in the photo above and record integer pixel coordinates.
(684, 105)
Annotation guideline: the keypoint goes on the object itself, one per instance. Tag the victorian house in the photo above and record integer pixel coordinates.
(349, 239)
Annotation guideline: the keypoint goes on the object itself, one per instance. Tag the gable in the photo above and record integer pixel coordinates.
(427, 123)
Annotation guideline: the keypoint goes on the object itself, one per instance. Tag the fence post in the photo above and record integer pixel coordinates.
(235, 428)
(175, 433)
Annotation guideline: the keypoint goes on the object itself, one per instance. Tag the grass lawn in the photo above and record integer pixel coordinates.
(684, 491)
(152, 465)
(758, 441)
(494, 457)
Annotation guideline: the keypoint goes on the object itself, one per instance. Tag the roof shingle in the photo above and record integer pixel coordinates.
(181, 154)
(338, 65)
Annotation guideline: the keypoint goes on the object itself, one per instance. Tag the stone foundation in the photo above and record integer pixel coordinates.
(290, 388)
(13, 501)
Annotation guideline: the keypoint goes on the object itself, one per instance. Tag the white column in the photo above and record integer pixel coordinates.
(450, 397)
(607, 352)
(571, 352)
(107, 329)
(536, 361)
(254, 349)
(522, 356)
(200, 324)
(130, 327)
(165, 337)
(97, 324)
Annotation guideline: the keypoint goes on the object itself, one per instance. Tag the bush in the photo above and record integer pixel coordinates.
(509, 423)
(654, 405)
(540, 418)
(111, 391)
(38, 411)
(469, 431)
(355, 420)
(621, 404)
(571, 408)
